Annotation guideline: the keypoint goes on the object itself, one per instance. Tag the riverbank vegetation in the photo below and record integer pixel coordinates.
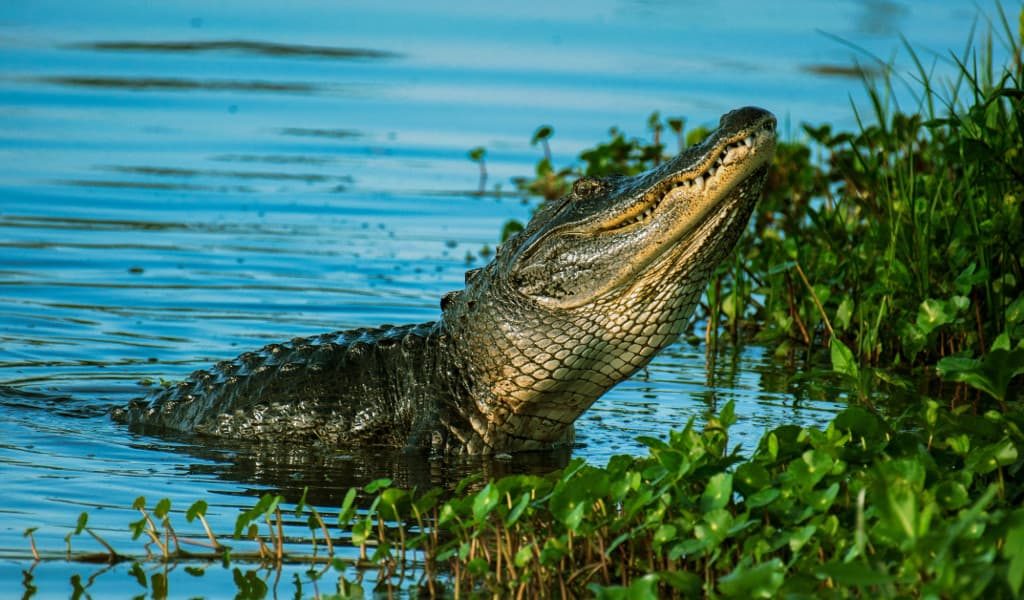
(895, 253)
(902, 239)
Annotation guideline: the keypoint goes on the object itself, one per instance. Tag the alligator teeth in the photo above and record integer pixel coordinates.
(698, 183)
(748, 141)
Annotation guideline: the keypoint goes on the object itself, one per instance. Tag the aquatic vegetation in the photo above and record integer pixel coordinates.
(902, 239)
(926, 505)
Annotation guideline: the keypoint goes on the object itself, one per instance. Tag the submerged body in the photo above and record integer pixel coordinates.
(596, 285)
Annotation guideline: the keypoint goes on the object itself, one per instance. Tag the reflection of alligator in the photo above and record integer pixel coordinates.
(588, 293)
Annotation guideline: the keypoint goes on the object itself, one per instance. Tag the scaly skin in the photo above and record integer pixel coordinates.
(586, 295)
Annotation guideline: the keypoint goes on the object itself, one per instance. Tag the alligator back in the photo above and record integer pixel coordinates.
(364, 386)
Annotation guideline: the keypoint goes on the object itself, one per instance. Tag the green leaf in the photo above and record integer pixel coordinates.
(362, 529)
(992, 456)
(139, 575)
(799, 538)
(844, 313)
(524, 556)
(158, 583)
(843, 360)
(951, 495)
(347, 510)
(853, 574)
(377, 484)
(991, 374)
(687, 584)
(762, 498)
(573, 517)
(727, 416)
(477, 154)
(478, 567)
(83, 520)
(933, 313)
(758, 581)
(393, 503)
(750, 478)
(665, 532)
(484, 502)
(717, 493)
(1015, 312)
(517, 509)
(511, 227)
(301, 504)
(543, 132)
(642, 588)
(899, 487)
(197, 509)
(163, 507)
(810, 469)
(1014, 551)
(137, 527)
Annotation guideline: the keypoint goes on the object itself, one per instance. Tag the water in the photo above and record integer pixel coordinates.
(185, 181)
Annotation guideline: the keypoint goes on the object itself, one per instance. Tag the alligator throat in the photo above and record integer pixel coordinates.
(594, 286)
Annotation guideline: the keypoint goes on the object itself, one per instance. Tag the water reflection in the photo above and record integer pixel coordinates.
(259, 48)
(838, 70)
(219, 174)
(154, 185)
(881, 17)
(145, 84)
(338, 134)
(328, 472)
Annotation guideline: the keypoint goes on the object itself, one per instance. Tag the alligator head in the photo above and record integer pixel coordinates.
(596, 284)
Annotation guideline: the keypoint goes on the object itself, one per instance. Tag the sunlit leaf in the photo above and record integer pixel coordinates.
(843, 360)
(758, 581)
(717, 493)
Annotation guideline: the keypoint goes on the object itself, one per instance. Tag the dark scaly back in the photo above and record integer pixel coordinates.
(374, 386)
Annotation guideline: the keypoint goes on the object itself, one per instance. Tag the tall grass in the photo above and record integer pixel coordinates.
(904, 238)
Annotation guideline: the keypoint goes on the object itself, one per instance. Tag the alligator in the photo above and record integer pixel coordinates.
(584, 296)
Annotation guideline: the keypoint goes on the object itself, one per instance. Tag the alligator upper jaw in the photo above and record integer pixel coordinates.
(595, 245)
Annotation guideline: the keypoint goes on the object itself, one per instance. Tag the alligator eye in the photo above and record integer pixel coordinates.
(586, 186)
(769, 125)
